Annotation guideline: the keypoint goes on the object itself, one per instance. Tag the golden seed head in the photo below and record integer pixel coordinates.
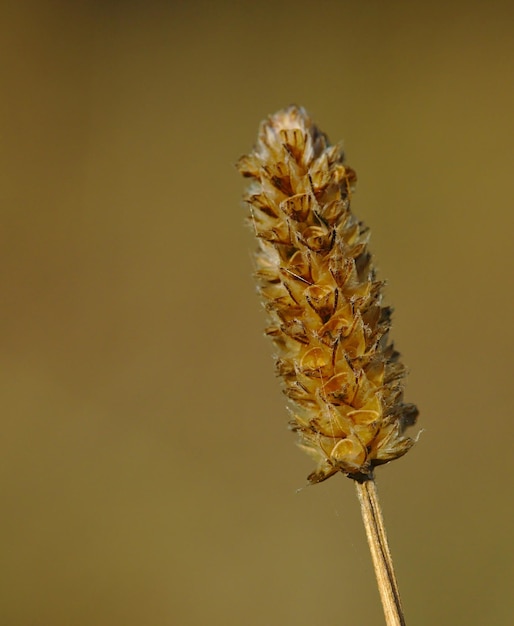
(316, 278)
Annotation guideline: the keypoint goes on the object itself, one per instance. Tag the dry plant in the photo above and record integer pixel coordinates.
(340, 371)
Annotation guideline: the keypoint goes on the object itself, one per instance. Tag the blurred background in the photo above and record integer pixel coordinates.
(146, 470)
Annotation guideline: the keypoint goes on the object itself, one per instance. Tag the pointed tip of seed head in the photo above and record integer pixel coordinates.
(291, 116)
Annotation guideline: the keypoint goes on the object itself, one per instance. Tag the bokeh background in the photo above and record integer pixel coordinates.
(146, 471)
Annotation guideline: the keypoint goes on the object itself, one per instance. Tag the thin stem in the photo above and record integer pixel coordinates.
(379, 548)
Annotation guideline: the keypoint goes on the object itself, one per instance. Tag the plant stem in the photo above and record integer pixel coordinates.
(379, 548)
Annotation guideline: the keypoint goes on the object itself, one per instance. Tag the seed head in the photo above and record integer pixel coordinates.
(340, 372)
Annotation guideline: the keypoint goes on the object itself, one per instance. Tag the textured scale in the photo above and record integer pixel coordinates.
(315, 274)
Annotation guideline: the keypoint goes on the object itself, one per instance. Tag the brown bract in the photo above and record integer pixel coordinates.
(317, 281)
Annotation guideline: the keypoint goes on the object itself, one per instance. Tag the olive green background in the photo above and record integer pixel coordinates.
(146, 472)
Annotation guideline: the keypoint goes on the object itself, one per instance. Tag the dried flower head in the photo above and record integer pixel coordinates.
(316, 277)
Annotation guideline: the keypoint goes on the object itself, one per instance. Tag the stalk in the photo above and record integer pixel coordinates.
(380, 553)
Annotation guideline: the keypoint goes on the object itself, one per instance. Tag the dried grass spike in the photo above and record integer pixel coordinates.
(316, 278)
